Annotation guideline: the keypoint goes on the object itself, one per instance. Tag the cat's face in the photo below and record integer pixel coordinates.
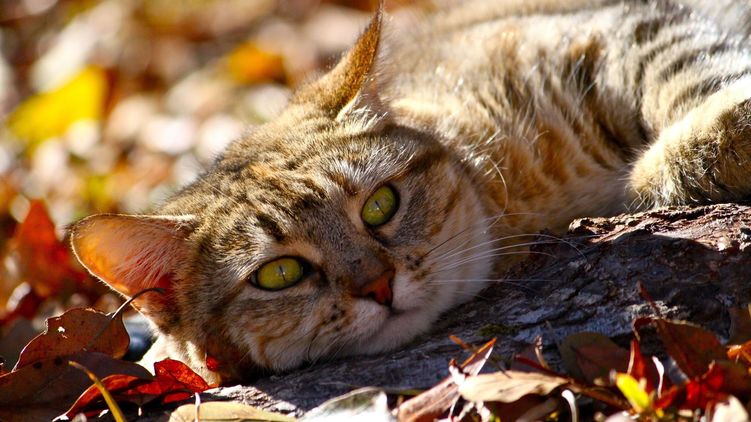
(295, 264)
(318, 234)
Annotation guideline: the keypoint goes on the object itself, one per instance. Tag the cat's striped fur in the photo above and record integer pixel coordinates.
(492, 120)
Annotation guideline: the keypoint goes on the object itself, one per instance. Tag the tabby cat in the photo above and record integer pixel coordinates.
(403, 181)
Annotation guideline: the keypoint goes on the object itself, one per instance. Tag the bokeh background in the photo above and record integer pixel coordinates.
(110, 105)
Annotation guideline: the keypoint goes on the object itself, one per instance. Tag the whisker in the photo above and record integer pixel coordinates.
(500, 239)
(464, 231)
(502, 248)
(477, 258)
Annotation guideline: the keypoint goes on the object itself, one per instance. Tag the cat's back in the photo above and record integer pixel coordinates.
(548, 90)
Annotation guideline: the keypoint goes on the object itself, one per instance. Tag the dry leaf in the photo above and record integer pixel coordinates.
(46, 388)
(432, 403)
(174, 381)
(508, 386)
(218, 411)
(589, 356)
(74, 331)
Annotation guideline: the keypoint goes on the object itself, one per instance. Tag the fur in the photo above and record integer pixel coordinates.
(491, 120)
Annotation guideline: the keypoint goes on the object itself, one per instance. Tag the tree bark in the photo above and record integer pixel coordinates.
(693, 261)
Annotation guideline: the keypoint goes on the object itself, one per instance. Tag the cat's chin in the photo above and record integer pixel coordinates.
(398, 328)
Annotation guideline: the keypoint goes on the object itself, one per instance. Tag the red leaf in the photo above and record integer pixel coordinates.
(174, 381)
(44, 262)
(721, 380)
(641, 368)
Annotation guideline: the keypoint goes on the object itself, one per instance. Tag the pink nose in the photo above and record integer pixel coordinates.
(379, 289)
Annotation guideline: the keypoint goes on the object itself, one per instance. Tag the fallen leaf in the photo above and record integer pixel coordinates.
(52, 113)
(721, 380)
(74, 331)
(117, 414)
(522, 409)
(217, 411)
(433, 402)
(364, 404)
(589, 356)
(645, 369)
(46, 388)
(740, 324)
(44, 261)
(634, 392)
(248, 63)
(174, 381)
(692, 347)
(509, 386)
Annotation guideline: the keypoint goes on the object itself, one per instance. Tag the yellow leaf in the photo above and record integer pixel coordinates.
(633, 391)
(249, 64)
(51, 113)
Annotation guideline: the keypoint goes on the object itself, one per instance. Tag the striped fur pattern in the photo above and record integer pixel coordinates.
(492, 120)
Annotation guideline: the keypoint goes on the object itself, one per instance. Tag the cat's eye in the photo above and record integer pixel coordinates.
(380, 207)
(279, 274)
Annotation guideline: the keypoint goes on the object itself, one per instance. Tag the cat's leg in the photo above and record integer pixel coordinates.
(703, 156)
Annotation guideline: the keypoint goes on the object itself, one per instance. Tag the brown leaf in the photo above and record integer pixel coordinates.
(740, 325)
(508, 386)
(74, 331)
(589, 356)
(432, 403)
(692, 347)
(46, 388)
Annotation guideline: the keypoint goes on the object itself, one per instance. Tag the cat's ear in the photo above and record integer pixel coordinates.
(133, 253)
(352, 86)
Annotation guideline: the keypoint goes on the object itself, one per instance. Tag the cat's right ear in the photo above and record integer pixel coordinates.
(353, 85)
(133, 253)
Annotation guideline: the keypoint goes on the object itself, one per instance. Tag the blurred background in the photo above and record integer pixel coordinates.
(108, 106)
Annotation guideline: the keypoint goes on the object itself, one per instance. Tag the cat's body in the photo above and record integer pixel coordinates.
(491, 121)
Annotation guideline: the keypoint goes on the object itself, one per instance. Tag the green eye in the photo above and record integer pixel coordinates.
(279, 274)
(380, 207)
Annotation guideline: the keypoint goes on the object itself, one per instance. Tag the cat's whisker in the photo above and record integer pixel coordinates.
(500, 239)
(465, 231)
(480, 257)
(484, 280)
(553, 240)
(519, 286)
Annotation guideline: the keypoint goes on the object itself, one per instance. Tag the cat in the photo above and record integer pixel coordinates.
(404, 180)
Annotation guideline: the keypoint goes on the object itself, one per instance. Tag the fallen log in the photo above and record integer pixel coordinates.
(693, 261)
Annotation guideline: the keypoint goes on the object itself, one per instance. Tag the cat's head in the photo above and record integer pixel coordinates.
(330, 230)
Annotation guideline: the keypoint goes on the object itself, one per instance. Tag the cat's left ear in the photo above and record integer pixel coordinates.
(352, 86)
(132, 253)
